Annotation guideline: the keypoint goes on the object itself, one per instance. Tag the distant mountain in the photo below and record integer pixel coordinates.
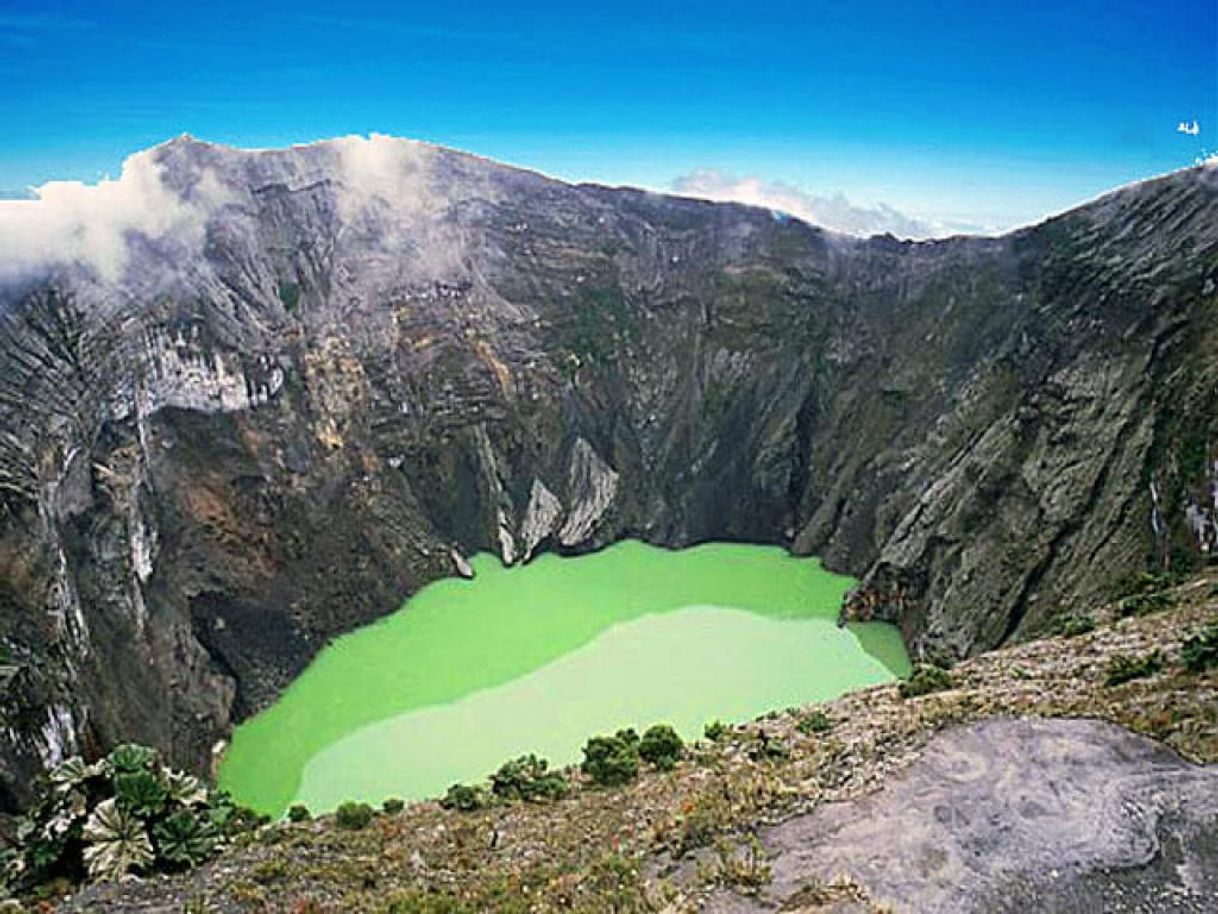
(249, 400)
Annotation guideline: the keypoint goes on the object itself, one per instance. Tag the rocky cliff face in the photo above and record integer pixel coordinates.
(341, 367)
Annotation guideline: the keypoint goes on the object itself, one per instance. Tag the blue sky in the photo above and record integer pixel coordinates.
(960, 113)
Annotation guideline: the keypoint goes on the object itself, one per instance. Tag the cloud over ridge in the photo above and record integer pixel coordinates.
(75, 222)
(836, 212)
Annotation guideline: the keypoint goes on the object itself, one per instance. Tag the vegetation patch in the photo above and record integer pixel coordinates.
(816, 721)
(1072, 625)
(1122, 668)
(925, 678)
(744, 868)
(125, 814)
(298, 812)
(466, 798)
(528, 778)
(353, 816)
(1200, 650)
(612, 760)
(662, 747)
(715, 730)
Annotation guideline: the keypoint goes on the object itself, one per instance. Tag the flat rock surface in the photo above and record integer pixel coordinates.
(1015, 815)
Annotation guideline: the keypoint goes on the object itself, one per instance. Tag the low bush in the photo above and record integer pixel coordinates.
(528, 778)
(465, 798)
(1072, 625)
(1200, 650)
(715, 730)
(766, 748)
(814, 722)
(353, 816)
(745, 869)
(1122, 668)
(612, 760)
(125, 814)
(393, 806)
(299, 813)
(1144, 603)
(629, 736)
(924, 679)
(662, 747)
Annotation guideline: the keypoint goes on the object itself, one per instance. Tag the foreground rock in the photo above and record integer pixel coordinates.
(275, 419)
(1013, 816)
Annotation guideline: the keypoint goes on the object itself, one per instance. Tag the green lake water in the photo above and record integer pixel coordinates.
(537, 658)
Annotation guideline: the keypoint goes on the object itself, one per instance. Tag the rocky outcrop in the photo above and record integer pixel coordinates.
(271, 424)
(593, 484)
(540, 517)
(1009, 816)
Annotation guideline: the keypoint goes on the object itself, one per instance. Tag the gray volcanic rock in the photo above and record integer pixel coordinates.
(1012, 816)
(270, 415)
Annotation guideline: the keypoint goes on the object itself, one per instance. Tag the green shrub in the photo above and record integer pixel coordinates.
(129, 759)
(662, 747)
(629, 736)
(1200, 650)
(465, 797)
(766, 748)
(1147, 592)
(1144, 603)
(393, 806)
(141, 793)
(299, 813)
(184, 839)
(528, 778)
(611, 760)
(1122, 669)
(125, 814)
(814, 722)
(353, 816)
(746, 868)
(715, 730)
(924, 679)
(1072, 625)
(289, 294)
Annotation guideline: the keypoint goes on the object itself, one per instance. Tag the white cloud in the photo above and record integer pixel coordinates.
(71, 222)
(388, 168)
(834, 212)
(1185, 127)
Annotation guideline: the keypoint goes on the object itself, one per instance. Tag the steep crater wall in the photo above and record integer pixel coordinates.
(214, 465)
